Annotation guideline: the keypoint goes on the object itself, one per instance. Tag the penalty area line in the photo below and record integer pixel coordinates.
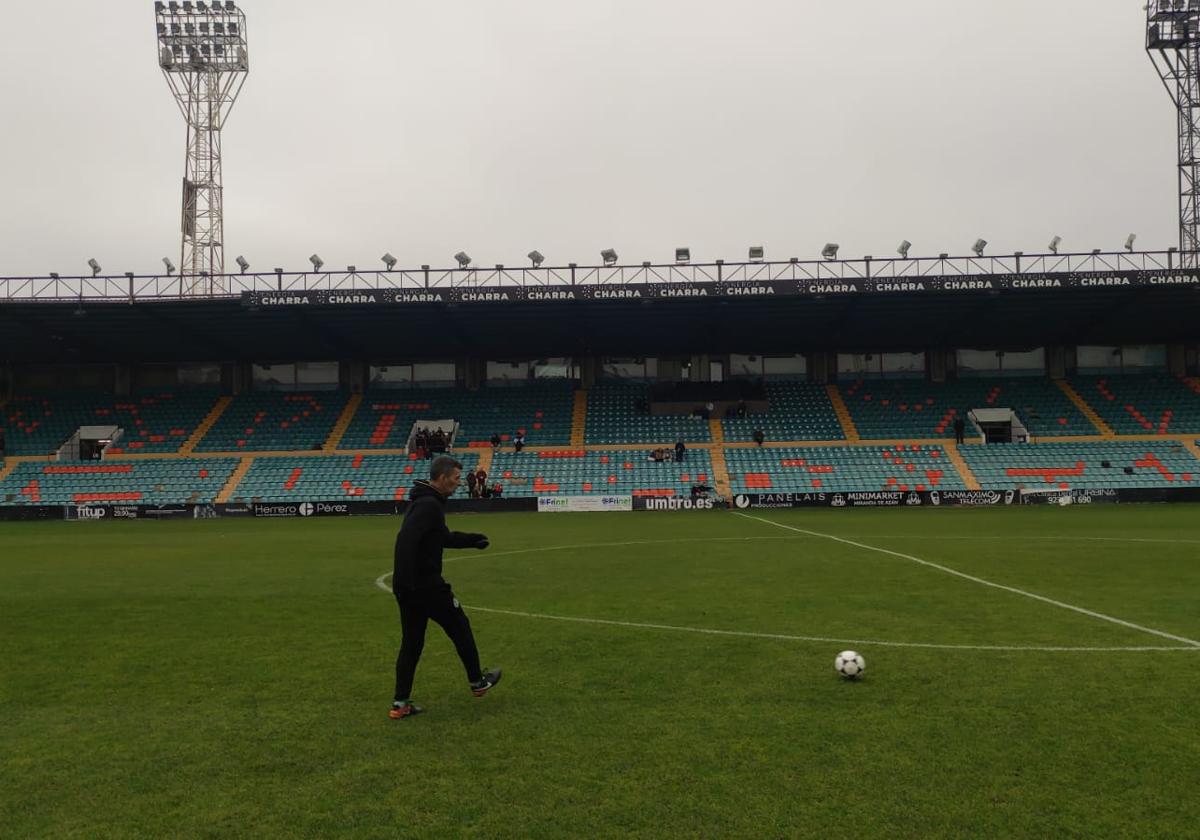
(946, 569)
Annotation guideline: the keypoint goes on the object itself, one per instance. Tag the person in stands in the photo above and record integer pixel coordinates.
(680, 450)
(471, 482)
(519, 441)
(960, 428)
(759, 436)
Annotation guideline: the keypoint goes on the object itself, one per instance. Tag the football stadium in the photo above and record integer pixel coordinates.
(827, 546)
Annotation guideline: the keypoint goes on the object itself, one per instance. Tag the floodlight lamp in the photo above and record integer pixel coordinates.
(53, 275)
(242, 264)
(1095, 252)
(609, 256)
(683, 255)
(187, 5)
(1054, 243)
(903, 249)
(317, 262)
(757, 253)
(94, 266)
(201, 6)
(1129, 242)
(536, 258)
(389, 261)
(170, 266)
(352, 269)
(830, 250)
(978, 247)
(463, 259)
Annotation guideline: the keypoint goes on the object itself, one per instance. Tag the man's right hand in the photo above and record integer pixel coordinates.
(482, 542)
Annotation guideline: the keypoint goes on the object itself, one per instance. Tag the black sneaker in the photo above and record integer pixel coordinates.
(400, 711)
(484, 685)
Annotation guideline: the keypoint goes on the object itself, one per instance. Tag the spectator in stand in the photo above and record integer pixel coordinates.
(759, 436)
(471, 481)
(497, 490)
(741, 408)
(496, 442)
(960, 428)
(519, 441)
(680, 450)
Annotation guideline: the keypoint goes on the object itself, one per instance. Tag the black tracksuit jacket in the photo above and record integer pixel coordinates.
(418, 559)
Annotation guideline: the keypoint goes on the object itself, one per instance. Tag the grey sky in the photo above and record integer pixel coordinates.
(424, 128)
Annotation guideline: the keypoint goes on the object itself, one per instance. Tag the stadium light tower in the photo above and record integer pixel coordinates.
(1173, 44)
(203, 55)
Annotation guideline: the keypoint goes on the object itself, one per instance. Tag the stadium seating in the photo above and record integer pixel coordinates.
(1143, 404)
(1081, 465)
(275, 420)
(839, 469)
(147, 482)
(361, 477)
(913, 408)
(797, 411)
(153, 421)
(542, 409)
(580, 473)
(614, 418)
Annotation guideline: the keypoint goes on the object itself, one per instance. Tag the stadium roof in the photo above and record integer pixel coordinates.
(277, 328)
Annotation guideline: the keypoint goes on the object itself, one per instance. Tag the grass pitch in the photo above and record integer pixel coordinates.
(231, 678)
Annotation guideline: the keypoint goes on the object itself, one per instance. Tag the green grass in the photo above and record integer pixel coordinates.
(231, 678)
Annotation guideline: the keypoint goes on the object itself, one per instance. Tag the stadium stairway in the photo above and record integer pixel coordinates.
(1085, 409)
(486, 456)
(1190, 445)
(960, 464)
(234, 480)
(189, 446)
(843, 413)
(342, 424)
(720, 471)
(7, 469)
(579, 419)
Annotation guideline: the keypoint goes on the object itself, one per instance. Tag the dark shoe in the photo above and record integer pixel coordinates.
(484, 685)
(404, 710)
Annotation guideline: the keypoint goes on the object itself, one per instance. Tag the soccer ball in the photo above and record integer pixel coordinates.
(850, 664)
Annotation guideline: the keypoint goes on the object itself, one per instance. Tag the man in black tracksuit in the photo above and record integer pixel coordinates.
(420, 590)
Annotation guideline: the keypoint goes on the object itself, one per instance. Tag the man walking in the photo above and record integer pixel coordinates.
(960, 428)
(421, 592)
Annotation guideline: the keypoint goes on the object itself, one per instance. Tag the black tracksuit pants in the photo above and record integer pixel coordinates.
(417, 608)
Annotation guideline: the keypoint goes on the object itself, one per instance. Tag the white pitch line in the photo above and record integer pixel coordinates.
(979, 580)
(379, 582)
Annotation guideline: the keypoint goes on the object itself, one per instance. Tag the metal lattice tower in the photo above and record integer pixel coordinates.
(203, 55)
(1173, 43)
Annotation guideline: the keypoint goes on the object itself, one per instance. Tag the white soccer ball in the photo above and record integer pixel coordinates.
(849, 664)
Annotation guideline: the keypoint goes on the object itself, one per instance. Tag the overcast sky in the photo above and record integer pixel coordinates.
(497, 127)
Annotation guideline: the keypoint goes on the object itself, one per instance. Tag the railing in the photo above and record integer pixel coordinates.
(134, 287)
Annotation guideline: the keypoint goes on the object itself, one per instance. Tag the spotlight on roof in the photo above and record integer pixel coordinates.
(1054, 243)
(1129, 242)
(170, 265)
(317, 262)
(757, 253)
(242, 264)
(683, 255)
(903, 249)
(54, 275)
(830, 250)
(463, 259)
(94, 266)
(978, 247)
(609, 256)
(536, 258)
(389, 261)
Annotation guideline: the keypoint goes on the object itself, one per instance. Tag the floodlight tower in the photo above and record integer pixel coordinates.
(203, 55)
(1173, 43)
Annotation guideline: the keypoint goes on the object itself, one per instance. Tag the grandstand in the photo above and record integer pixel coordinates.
(891, 435)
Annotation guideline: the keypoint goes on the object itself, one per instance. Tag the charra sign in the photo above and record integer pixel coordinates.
(902, 286)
